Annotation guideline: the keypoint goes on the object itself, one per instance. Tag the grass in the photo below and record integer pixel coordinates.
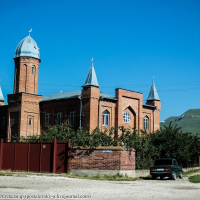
(117, 177)
(194, 179)
(11, 173)
(191, 171)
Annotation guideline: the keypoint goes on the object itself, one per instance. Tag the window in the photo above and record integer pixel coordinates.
(72, 118)
(33, 70)
(105, 118)
(3, 123)
(146, 123)
(47, 119)
(126, 117)
(30, 121)
(59, 119)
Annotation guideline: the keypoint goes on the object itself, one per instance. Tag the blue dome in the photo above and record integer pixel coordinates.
(27, 48)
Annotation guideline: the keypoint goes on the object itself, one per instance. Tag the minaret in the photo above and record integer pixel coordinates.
(90, 100)
(2, 100)
(23, 105)
(27, 60)
(154, 100)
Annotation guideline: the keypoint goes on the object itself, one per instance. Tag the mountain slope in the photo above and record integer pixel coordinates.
(188, 121)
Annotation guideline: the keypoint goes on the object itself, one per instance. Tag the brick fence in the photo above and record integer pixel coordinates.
(102, 158)
(60, 158)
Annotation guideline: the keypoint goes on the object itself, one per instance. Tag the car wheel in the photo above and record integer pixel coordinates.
(174, 176)
(181, 175)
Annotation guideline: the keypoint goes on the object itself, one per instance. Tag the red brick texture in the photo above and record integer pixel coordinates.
(25, 105)
(102, 159)
(90, 107)
(26, 75)
(63, 106)
(156, 113)
(21, 108)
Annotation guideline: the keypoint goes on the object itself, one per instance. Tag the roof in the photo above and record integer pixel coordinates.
(150, 106)
(27, 48)
(73, 94)
(107, 96)
(91, 79)
(153, 94)
(1, 95)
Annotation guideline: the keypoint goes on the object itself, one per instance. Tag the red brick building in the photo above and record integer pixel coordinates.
(27, 113)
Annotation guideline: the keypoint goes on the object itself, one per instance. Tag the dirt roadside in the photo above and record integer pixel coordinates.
(54, 187)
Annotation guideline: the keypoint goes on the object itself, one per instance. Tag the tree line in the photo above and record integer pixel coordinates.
(168, 142)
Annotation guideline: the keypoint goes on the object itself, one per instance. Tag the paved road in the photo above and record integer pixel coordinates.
(54, 187)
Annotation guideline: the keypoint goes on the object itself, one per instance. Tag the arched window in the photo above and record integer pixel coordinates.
(33, 70)
(106, 118)
(72, 118)
(47, 118)
(126, 117)
(59, 118)
(146, 123)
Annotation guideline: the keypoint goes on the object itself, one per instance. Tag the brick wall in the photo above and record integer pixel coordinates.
(157, 112)
(149, 113)
(129, 101)
(63, 106)
(26, 80)
(90, 107)
(110, 106)
(22, 107)
(102, 159)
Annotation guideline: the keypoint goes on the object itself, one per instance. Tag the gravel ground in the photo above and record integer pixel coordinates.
(54, 187)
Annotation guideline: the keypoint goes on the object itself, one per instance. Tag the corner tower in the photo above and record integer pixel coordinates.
(27, 60)
(154, 100)
(23, 104)
(90, 100)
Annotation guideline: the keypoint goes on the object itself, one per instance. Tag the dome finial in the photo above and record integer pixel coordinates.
(153, 79)
(92, 61)
(30, 32)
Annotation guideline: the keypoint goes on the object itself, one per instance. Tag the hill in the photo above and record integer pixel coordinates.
(188, 121)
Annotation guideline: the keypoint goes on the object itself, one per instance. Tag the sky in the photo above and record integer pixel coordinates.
(131, 41)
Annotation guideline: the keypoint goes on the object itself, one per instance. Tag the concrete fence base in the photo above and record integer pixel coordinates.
(90, 172)
(129, 173)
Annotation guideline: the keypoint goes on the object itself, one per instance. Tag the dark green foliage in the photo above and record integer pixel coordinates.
(169, 142)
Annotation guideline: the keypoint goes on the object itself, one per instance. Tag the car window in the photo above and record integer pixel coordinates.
(163, 162)
(175, 162)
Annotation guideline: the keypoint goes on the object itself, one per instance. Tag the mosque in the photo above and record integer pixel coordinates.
(28, 113)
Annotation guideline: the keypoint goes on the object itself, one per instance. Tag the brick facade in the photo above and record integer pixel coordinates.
(102, 159)
(26, 75)
(23, 113)
(28, 113)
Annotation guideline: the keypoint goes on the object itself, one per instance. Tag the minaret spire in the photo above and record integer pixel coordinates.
(153, 94)
(91, 79)
(92, 62)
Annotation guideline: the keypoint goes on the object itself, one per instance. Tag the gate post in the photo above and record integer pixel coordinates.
(1, 154)
(54, 155)
(28, 160)
(68, 154)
